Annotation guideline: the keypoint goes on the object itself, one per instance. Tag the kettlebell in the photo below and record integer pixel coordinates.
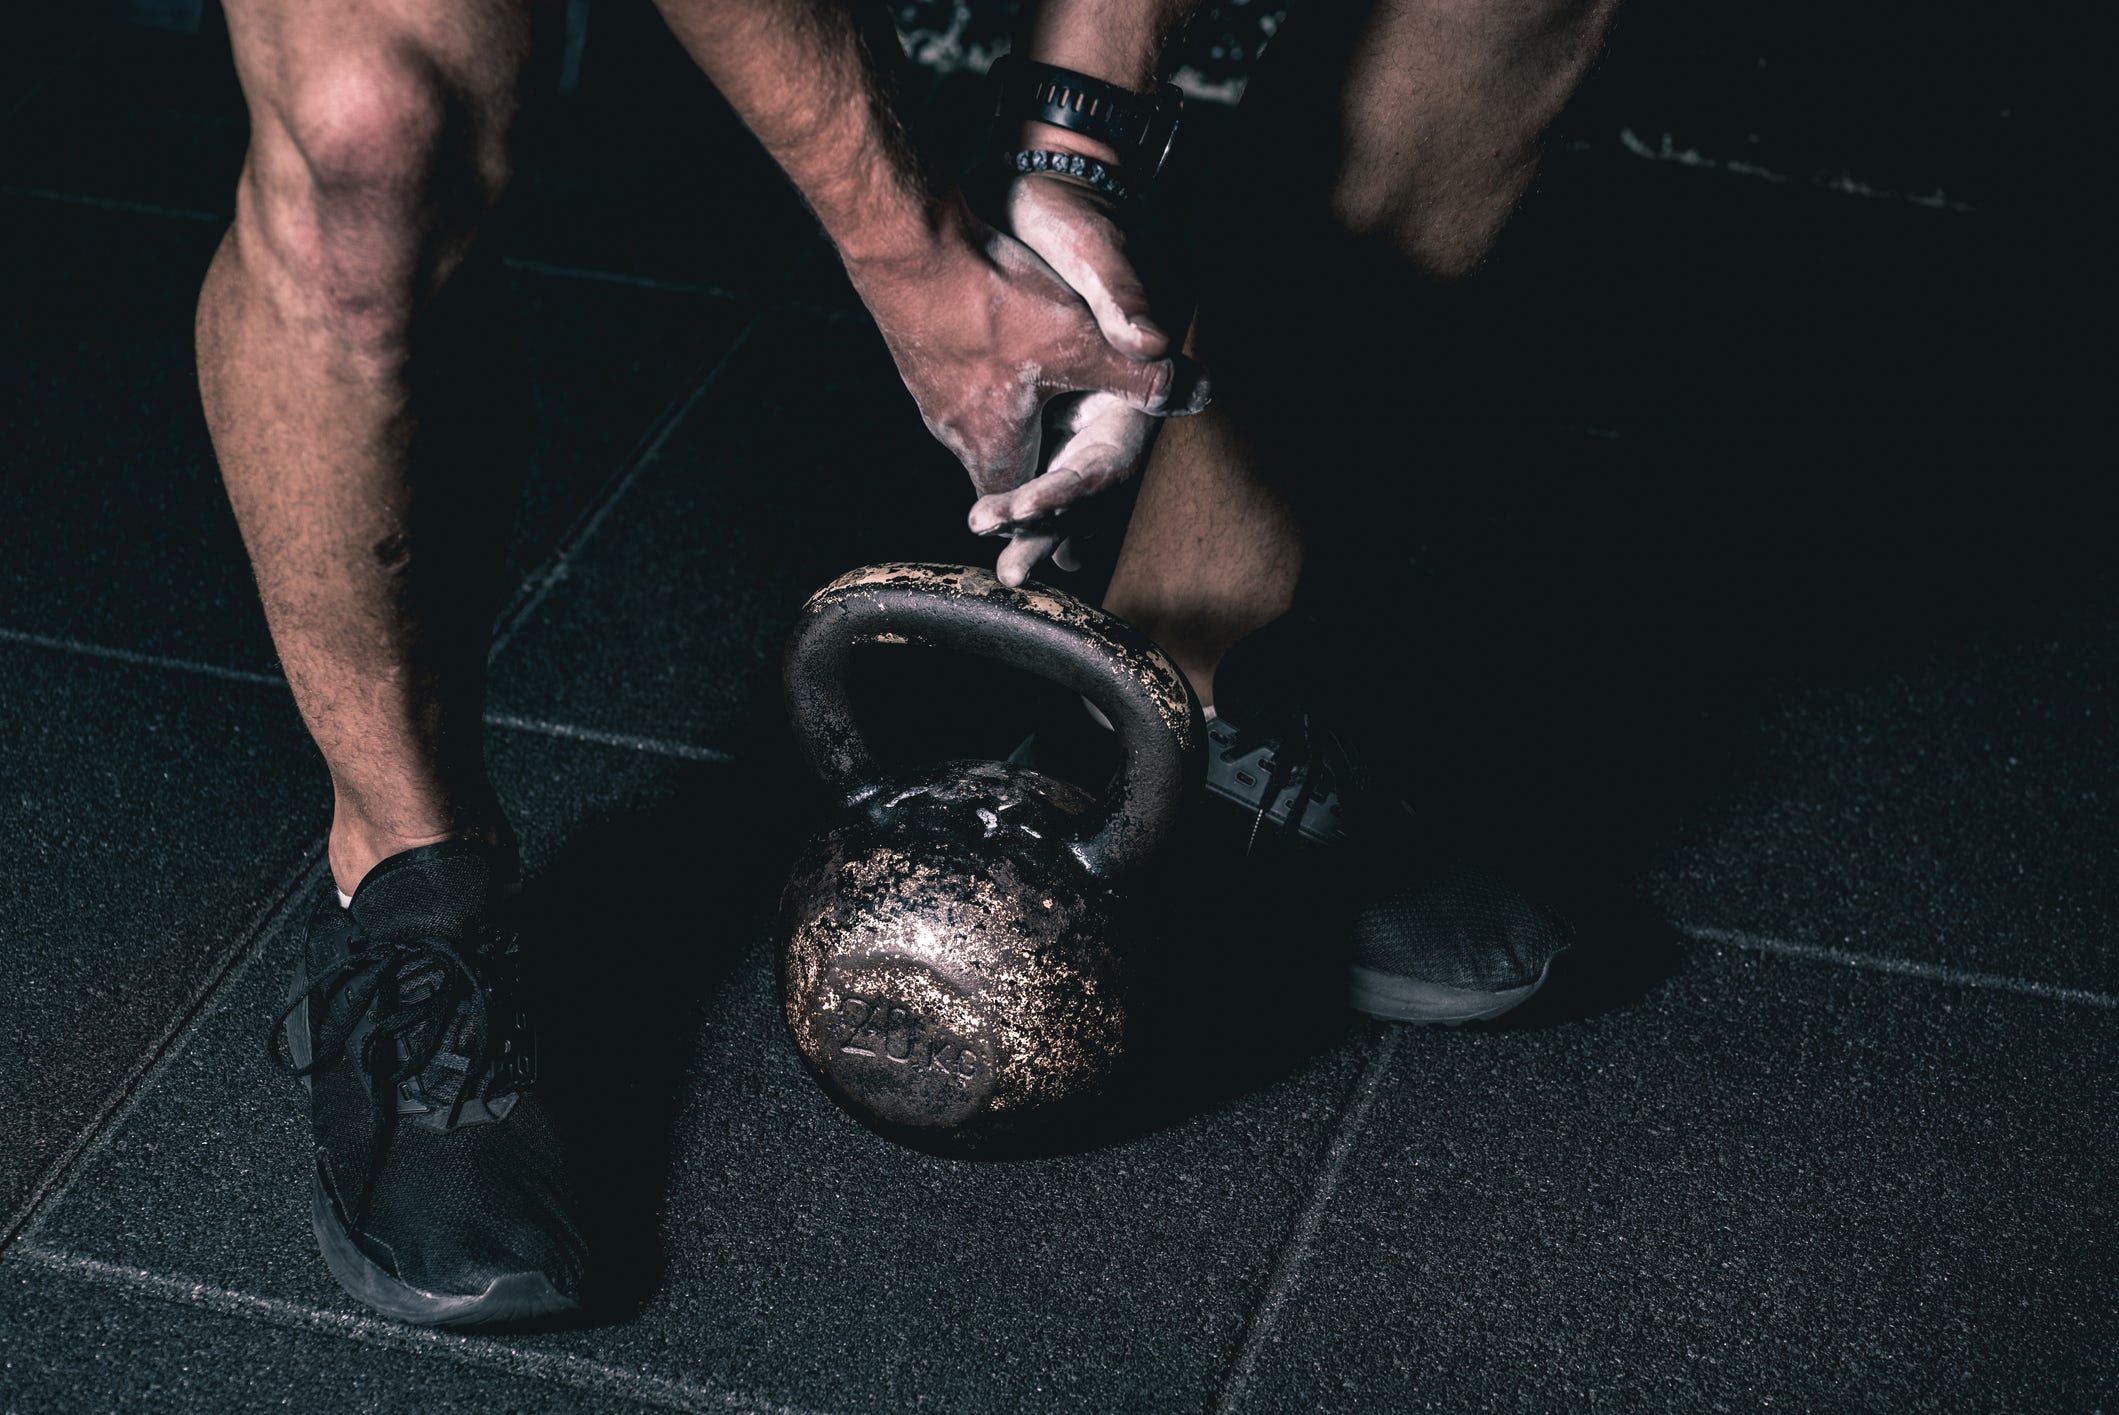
(955, 940)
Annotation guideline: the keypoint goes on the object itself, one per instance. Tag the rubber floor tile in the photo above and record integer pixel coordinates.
(44, 41)
(757, 1243)
(644, 172)
(134, 115)
(1771, 1181)
(1958, 113)
(1629, 292)
(81, 1344)
(1958, 812)
(805, 459)
(1882, 722)
(115, 527)
(648, 171)
(150, 817)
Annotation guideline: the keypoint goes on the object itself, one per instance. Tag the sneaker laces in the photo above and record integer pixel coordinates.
(1308, 764)
(434, 1005)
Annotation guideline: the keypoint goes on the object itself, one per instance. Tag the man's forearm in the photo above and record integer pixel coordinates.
(801, 75)
(803, 78)
(983, 331)
(1118, 41)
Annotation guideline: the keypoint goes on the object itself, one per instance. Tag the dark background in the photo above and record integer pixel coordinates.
(1756, 588)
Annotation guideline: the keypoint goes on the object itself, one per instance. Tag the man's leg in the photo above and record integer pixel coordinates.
(1403, 136)
(358, 382)
(1377, 157)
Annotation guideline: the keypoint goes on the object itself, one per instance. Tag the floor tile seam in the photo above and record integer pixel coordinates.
(536, 586)
(822, 314)
(1630, 142)
(138, 659)
(557, 270)
(595, 275)
(1302, 1233)
(481, 1352)
(513, 722)
(57, 1178)
(190, 214)
(1701, 933)
(589, 274)
(1841, 181)
(51, 74)
(625, 741)
(763, 303)
(1893, 966)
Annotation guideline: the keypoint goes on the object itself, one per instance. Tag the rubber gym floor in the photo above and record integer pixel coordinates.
(1769, 588)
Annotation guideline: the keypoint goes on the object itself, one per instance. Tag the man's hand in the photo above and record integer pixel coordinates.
(985, 334)
(1098, 440)
(1094, 441)
(983, 331)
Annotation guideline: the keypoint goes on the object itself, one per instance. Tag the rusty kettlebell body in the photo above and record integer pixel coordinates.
(954, 957)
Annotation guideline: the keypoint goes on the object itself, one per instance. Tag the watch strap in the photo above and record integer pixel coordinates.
(1139, 127)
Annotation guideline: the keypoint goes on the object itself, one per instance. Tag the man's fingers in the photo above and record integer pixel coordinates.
(1104, 436)
(1102, 440)
(992, 515)
(1175, 387)
(1035, 501)
(1022, 556)
(1087, 251)
(998, 464)
(1114, 294)
(1042, 498)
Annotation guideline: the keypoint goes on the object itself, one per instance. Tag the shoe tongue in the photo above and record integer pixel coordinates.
(435, 890)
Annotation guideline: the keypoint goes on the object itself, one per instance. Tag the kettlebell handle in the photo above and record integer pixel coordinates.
(1034, 628)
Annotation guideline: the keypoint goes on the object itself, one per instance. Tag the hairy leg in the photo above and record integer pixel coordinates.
(1213, 550)
(1399, 136)
(358, 379)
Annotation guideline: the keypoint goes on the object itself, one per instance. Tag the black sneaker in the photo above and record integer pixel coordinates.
(1315, 822)
(1427, 939)
(439, 1194)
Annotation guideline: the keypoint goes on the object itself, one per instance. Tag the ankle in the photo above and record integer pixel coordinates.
(358, 846)
(1199, 672)
(1195, 642)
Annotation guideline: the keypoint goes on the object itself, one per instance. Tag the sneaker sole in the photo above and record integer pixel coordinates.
(1392, 997)
(510, 1297)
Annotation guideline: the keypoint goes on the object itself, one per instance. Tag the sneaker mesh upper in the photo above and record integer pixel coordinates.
(1469, 929)
(443, 1207)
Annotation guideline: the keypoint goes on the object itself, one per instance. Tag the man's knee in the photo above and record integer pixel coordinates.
(1440, 239)
(1442, 106)
(367, 184)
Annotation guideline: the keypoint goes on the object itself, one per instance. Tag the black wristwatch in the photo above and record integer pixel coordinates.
(1138, 126)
